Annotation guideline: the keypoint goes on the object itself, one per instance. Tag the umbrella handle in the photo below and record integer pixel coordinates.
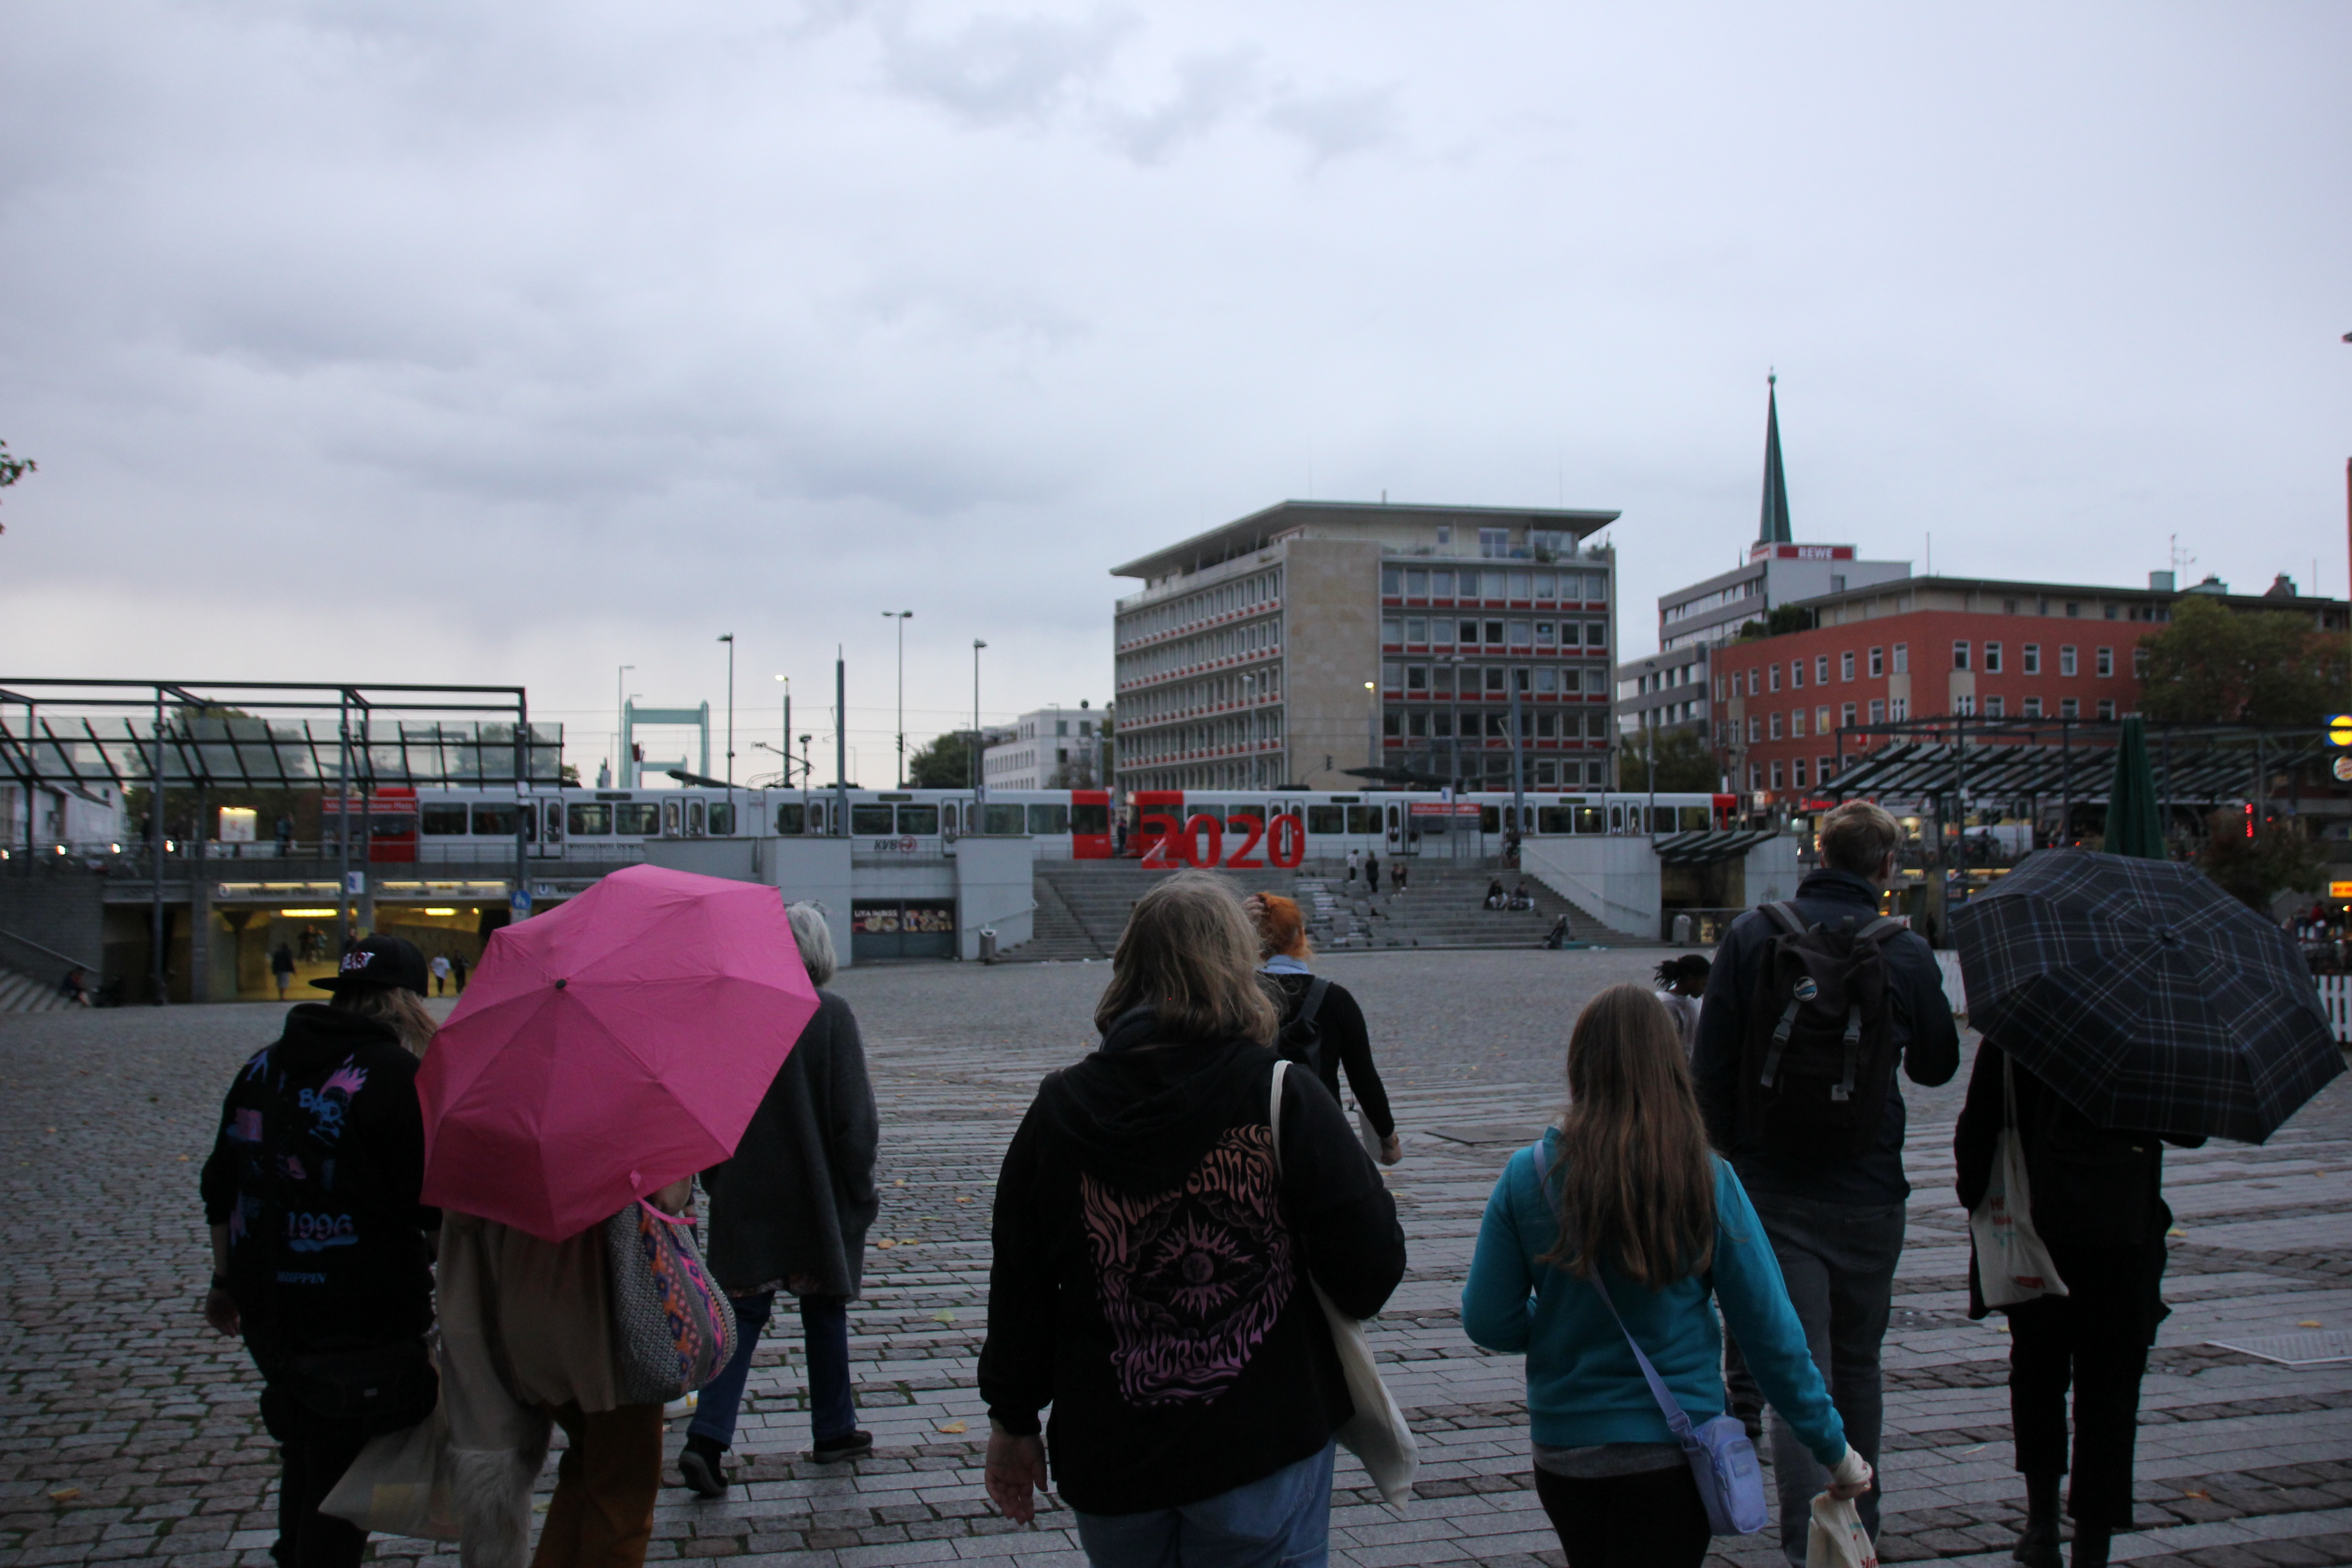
(665, 1218)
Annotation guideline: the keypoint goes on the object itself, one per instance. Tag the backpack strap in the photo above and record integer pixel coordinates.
(1880, 930)
(1313, 1001)
(1786, 912)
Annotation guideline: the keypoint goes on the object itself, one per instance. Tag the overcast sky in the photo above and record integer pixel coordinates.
(515, 343)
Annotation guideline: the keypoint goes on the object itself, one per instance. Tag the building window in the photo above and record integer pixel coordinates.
(1959, 656)
(1877, 662)
(1495, 543)
(2106, 663)
(1547, 678)
(1574, 680)
(1444, 630)
(1993, 709)
(1493, 677)
(2110, 610)
(1992, 659)
(1416, 630)
(1797, 772)
(1392, 676)
(2139, 664)
(1796, 674)
(1754, 775)
(1845, 667)
(1494, 634)
(1773, 677)
(1776, 724)
(1902, 657)
(1965, 706)
(1522, 634)
(1444, 533)
(1596, 634)
(1392, 724)
(1391, 633)
(1721, 685)
(1797, 723)
(1417, 723)
(2106, 707)
(2070, 708)
(2073, 610)
(1469, 585)
(1416, 678)
(1820, 720)
(1393, 582)
(1778, 779)
(2033, 665)
(1755, 729)
(1468, 631)
(2033, 708)
(1822, 669)
(1416, 583)
(1845, 717)
(2009, 606)
(1546, 634)
(1899, 708)
(2067, 658)
(1824, 768)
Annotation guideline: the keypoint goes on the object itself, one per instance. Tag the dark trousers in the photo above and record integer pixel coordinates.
(602, 1515)
(824, 1338)
(314, 1455)
(1838, 1262)
(1653, 1520)
(2087, 1338)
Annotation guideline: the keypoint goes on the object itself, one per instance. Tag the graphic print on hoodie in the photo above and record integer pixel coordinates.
(1192, 1278)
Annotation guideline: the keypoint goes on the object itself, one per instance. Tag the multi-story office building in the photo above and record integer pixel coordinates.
(1039, 745)
(1313, 637)
(1935, 647)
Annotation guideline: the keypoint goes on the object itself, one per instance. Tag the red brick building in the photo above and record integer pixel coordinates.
(1922, 648)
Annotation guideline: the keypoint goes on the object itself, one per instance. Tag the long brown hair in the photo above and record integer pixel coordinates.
(1189, 951)
(402, 1008)
(1637, 1182)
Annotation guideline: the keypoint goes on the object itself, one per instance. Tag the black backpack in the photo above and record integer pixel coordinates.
(1820, 1056)
(1301, 1039)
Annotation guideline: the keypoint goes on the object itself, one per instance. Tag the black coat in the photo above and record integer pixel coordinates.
(1346, 1043)
(791, 1207)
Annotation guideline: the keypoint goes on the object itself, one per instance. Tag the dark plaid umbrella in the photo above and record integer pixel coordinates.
(2145, 994)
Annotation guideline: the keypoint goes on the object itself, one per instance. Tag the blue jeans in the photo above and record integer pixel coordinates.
(1282, 1522)
(825, 1334)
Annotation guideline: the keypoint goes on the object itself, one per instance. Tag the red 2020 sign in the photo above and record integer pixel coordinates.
(1200, 840)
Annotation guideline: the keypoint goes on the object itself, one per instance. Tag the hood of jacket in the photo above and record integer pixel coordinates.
(317, 1034)
(1138, 1113)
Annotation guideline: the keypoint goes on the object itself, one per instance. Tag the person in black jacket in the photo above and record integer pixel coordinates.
(1836, 1224)
(1336, 1036)
(790, 1212)
(321, 1256)
(2099, 1209)
(1153, 1257)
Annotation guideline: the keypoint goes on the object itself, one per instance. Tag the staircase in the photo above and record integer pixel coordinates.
(20, 992)
(1082, 907)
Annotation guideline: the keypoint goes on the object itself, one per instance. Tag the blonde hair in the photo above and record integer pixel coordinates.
(394, 1005)
(1281, 927)
(1189, 952)
(1637, 1182)
(1857, 838)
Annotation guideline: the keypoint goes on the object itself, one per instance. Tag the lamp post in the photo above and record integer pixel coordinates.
(728, 638)
(902, 617)
(787, 736)
(620, 715)
(978, 772)
(1650, 747)
(1372, 726)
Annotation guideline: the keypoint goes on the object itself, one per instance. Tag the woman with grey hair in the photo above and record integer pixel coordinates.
(790, 1212)
(1154, 1251)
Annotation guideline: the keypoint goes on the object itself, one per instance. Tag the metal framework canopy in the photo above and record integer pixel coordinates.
(2061, 759)
(247, 734)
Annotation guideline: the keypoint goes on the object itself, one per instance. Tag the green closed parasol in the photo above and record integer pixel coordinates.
(2134, 824)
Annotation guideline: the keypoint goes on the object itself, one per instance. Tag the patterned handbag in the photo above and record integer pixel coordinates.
(673, 1328)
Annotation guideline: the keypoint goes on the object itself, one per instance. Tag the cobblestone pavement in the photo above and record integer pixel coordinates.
(128, 1430)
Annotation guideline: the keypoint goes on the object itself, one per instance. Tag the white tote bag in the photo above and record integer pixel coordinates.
(1376, 1433)
(2012, 1265)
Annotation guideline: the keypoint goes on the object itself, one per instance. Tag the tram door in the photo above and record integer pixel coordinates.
(1402, 838)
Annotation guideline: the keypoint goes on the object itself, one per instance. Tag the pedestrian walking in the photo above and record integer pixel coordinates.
(1372, 872)
(1810, 1008)
(457, 967)
(1682, 982)
(1323, 1028)
(1150, 1281)
(440, 967)
(281, 968)
(320, 1257)
(2097, 1205)
(1601, 1244)
(1355, 864)
(790, 1212)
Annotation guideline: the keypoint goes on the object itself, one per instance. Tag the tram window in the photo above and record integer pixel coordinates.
(1363, 819)
(673, 822)
(1588, 819)
(1695, 818)
(592, 821)
(792, 817)
(920, 821)
(1326, 819)
(1049, 819)
(1555, 820)
(1616, 818)
(495, 821)
(694, 819)
(444, 818)
(1005, 819)
(640, 818)
(722, 818)
(1254, 812)
(1090, 818)
(874, 821)
(1490, 819)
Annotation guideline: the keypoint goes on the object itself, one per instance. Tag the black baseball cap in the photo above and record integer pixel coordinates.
(381, 961)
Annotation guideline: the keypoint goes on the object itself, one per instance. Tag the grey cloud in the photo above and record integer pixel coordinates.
(999, 68)
(1337, 123)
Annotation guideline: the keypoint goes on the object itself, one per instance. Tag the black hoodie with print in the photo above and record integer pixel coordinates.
(317, 1172)
(1150, 1273)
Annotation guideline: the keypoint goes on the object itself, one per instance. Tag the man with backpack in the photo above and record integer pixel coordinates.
(1811, 1005)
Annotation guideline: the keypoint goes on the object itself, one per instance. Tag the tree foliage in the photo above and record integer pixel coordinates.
(2277, 859)
(944, 764)
(1685, 765)
(2214, 665)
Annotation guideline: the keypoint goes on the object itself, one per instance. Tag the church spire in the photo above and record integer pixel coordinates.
(1775, 528)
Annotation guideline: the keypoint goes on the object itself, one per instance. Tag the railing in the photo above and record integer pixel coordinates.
(64, 958)
(2335, 999)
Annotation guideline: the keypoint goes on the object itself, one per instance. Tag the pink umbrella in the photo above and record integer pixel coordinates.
(610, 1047)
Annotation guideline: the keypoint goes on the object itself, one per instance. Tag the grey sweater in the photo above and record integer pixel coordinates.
(793, 1206)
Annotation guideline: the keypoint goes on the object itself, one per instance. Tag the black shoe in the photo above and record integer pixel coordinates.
(2038, 1546)
(698, 1464)
(850, 1446)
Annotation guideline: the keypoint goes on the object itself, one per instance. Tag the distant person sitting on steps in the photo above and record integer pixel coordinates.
(1495, 898)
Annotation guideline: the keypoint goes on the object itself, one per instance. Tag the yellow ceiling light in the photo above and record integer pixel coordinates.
(441, 911)
(308, 914)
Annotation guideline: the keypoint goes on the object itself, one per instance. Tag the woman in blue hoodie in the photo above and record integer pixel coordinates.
(1625, 1196)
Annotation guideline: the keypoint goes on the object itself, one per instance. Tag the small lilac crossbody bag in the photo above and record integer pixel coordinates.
(1721, 1458)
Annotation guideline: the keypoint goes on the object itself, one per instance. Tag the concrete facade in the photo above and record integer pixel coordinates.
(1040, 743)
(1281, 649)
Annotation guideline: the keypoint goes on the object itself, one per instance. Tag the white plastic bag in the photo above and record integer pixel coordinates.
(2012, 1265)
(1836, 1538)
(400, 1484)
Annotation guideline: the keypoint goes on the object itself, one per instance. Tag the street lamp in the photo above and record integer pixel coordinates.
(787, 736)
(728, 638)
(1650, 745)
(620, 711)
(1371, 726)
(979, 777)
(902, 617)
